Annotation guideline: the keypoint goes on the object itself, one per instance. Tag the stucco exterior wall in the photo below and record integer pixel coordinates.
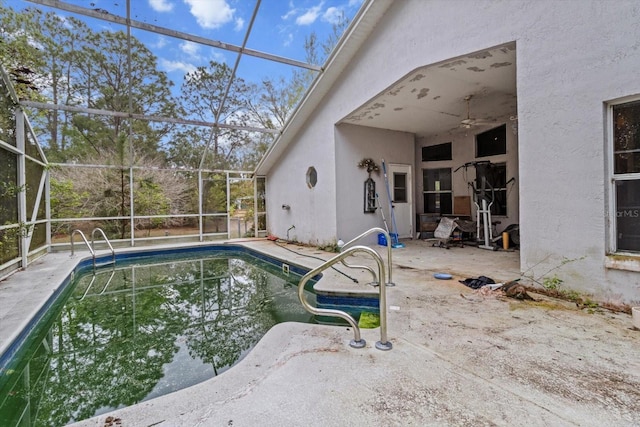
(572, 57)
(311, 210)
(590, 59)
(354, 143)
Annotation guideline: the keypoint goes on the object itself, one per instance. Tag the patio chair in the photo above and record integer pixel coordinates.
(442, 236)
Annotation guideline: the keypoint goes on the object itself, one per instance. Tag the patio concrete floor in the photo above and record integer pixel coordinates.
(460, 357)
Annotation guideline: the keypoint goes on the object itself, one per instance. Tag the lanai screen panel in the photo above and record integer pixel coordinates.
(134, 105)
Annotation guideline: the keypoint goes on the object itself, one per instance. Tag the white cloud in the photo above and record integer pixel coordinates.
(195, 52)
(190, 48)
(160, 43)
(292, 12)
(218, 57)
(288, 40)
(239, 24)
(176, 66)
(310, 16)
(332, 15)
(211, 13)
(161, 5)
(355, 3)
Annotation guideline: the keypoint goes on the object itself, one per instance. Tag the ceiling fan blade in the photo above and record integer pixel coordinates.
(484, 122)
(470, 122)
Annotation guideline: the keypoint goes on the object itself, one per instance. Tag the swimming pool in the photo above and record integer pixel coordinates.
(154, 323)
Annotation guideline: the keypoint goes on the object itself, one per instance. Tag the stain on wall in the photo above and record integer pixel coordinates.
(481, 55)
(453, 64)
(396, 91)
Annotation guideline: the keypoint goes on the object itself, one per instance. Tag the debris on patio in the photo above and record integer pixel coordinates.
(486, 286)
(478, 282)
(516, 290)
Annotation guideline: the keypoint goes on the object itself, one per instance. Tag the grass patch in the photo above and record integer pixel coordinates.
(553, 287)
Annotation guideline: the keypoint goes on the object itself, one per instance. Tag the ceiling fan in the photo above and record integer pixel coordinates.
(469, 122)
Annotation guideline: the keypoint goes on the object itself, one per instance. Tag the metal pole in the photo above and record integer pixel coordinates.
(130, 136)
(47, 204)
(200, 199)
(255, 206)
(366, 233)
(228, 203)
(22, 187)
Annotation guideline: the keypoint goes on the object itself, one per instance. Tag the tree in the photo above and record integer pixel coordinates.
(19, 55)
(62, 61)
(100, 192)
(108, 82)
(203, 98)
(275, 101)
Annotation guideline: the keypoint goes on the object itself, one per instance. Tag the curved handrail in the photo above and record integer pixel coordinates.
(104, 236)
(373, 282)
(93, 253)
(86, 291)
(357, 342)
(93, 279)
(106, 285)
(389, 266)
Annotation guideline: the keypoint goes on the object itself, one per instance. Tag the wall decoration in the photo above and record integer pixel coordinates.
(369, 185)
(369, 196)
(370, 165)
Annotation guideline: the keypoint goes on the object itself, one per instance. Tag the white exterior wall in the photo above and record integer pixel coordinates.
(563, 151)
(354, 143)
(312, 210)
(572, 57)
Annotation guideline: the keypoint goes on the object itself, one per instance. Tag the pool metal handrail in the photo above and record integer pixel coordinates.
(358, 341)
(93, 279)
(389, 265)
(91, 246)
(86, 242)
(104, 236)
(86, 291)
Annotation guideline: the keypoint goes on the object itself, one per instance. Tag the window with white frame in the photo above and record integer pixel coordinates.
(626, 176)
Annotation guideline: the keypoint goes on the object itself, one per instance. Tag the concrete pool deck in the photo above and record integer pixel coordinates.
(459, 357)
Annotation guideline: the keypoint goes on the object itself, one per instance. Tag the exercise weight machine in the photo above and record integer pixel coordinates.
(483, 198)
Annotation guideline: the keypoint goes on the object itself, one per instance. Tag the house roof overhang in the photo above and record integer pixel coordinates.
(431, 100)
(355, 35)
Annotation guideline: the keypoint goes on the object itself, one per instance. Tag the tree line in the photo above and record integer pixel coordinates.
(61, 60)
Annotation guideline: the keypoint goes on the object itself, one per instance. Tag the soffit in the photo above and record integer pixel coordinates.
(430, 100)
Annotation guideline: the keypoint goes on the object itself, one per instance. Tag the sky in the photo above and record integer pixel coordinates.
(280, 28)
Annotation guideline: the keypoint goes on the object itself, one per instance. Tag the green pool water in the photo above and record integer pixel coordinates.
(138, 331)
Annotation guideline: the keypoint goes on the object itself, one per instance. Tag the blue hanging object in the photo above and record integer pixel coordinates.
(394, 235)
